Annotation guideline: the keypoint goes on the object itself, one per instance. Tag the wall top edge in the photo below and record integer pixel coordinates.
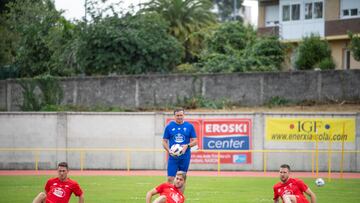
(193, 75)
(187, 113)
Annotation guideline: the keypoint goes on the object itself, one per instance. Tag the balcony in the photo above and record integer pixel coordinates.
(274, 30)
(342, 26)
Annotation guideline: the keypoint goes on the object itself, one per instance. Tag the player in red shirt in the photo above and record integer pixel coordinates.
(291, 190)
(169, 193)
(59, 190)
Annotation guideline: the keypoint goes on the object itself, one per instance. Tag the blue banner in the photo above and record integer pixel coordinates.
(226, 142)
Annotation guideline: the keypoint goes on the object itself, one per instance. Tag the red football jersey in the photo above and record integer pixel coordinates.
(173, 195)
(292, 187)
(58, 191)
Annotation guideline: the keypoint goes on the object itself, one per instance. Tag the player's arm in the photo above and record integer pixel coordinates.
(149, 194)
(165, 144)
(276, 195)
(81, 198)
(193, 142)
(311, 195)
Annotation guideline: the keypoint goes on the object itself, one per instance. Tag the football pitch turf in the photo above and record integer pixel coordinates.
(132, 189)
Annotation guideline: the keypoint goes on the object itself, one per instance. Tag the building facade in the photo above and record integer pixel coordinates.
(292, 20)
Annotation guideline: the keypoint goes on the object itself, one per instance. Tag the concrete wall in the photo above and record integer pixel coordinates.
(53, 133)
(247, 89)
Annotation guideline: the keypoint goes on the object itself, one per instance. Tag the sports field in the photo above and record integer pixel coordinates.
(200, 189)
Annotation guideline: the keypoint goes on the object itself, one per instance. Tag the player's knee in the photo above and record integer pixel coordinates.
(160, 199)
(41, 197)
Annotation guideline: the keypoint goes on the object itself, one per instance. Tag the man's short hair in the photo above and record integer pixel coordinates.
(178, 110)
(181, 173)
(63, 164)
(285, 166)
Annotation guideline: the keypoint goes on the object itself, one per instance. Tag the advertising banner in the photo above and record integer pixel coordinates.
(222, 135)
(310, 129)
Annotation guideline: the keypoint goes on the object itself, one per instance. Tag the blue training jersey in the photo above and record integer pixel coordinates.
(179, 134)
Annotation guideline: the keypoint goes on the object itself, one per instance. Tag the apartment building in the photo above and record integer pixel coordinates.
(291, 20)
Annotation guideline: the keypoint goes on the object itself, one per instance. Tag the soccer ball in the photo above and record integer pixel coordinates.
(176, 150)
(319, 182)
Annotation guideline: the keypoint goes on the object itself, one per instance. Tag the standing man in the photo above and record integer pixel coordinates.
(59, 190)
(183, 133)
(291, 190)
(169, 193)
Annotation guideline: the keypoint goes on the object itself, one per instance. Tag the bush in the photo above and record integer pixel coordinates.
(355, 45)
(326, 64)
(129, 45)
(311, 51)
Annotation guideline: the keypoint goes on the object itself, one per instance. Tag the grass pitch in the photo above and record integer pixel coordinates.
(132, 189)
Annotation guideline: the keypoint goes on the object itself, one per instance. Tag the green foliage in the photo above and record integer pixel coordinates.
(185, 18)
(221, 63)
(202, 102)
(277, 101)
(326, 64)
(39, 40)
(30, 99)
(50, 93)
(267, 54)
(186, 68)
(230, 37)
(129, 45)
(311, 51)
(234, 47)
(355, 45)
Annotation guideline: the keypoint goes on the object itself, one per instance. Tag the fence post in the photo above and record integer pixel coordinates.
(219, 162)
(36, 160)
(81, 160)
(265, 161)
(128, 160)
(329, 158)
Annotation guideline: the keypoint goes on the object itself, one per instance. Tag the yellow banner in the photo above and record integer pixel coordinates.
(310, 129)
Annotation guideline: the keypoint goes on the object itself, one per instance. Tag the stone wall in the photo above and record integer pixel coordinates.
(248, 89)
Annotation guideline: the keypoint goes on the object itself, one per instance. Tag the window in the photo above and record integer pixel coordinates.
(318, 9)
(308, 11)
(295, 12)
(271, 15)
(350, 8)
(286, 13)
(354, 12)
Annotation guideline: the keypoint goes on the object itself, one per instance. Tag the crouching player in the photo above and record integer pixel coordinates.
(169, 192)
(291, 190)
(59, 189)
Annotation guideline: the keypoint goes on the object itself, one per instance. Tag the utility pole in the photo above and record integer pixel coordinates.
(234, 16)
(85, 5)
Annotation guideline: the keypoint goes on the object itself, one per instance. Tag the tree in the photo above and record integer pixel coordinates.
(185, 17)
(226, 9)
(225, 46)
(230, 37)
(35, 22)
(128, 45)
(355, 45)
(234, 47)
(311, 52)
(3, 7)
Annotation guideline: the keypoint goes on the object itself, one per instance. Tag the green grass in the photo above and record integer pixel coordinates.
(132, 189)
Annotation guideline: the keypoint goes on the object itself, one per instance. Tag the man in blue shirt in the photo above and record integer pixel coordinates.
(183, 133)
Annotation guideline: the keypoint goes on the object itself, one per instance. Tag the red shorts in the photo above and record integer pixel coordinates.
(301, 199)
